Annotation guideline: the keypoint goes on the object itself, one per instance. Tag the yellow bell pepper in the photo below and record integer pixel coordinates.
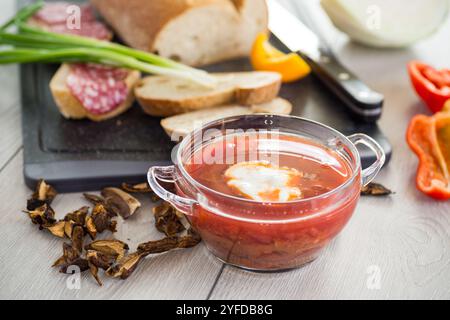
(265, 57)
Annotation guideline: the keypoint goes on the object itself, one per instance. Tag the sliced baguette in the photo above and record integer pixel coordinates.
(71, 108)
(181, 125)
(195, 32)
(163, 96)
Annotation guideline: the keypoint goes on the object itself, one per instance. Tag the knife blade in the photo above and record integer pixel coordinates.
(365, 103)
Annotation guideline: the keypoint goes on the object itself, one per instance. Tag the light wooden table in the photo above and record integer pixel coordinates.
(402, 241)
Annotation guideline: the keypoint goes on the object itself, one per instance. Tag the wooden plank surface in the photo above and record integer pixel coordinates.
(402, 241)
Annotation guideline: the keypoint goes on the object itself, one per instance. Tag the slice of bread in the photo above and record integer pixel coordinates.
(164, 96)
(71, 108)
(181, 125)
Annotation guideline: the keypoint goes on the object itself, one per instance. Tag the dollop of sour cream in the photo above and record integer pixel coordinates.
(264, 181)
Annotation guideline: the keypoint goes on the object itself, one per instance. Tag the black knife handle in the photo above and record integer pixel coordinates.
(363, 102)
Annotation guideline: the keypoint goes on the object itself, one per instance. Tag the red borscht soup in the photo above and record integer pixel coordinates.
(268, 201)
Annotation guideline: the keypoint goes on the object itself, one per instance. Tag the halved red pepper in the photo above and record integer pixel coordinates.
(432, 85)
(429, 138)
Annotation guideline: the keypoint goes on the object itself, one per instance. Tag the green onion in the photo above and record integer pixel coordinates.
(36, 45)
(22, 15)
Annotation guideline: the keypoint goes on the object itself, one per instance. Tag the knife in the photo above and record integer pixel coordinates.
(365, 103)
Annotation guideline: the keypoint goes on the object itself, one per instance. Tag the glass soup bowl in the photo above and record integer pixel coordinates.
(265, 235)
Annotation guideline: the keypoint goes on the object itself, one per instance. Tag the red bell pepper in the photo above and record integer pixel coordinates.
(432, 85)
(429, 138)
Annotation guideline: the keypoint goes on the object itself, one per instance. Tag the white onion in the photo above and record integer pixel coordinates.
(387, 23)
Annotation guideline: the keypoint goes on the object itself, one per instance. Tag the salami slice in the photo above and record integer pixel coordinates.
(100, 89)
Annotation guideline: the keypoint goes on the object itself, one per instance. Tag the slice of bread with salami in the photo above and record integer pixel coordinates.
(85, 100)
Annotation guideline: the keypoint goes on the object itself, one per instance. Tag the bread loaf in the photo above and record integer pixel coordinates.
(194, 32)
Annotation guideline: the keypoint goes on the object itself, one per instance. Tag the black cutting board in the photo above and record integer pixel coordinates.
(80, 155)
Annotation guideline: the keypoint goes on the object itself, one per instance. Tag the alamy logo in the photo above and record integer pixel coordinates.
(73, 282)
(374, 277)
(73, 21)
(373, 21)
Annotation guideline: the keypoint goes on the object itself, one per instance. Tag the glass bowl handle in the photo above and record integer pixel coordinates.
(166, 174)
(370, 172)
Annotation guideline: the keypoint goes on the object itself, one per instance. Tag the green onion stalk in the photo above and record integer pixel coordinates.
(31, 44)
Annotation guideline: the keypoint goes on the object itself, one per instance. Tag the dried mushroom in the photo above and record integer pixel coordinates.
(125, 266)
(113, 248)
(78, 238)
(101, 219)
(170, 243)
(71, 257)
(137, 188)
(43, 194)
(57, 229)
(166, 220)
(100, 260)
(125, 204)
(97, 260)
(44, 216)
(95, 200)
(68, 228)
(90, 227)
(108, 255)
(190, 240)
(78, 216)
(375, 189)
(74, 219)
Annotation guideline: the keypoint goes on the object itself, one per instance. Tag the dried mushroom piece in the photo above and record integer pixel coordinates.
(90, 227)
(101, 218)
(44, 216)
(113, 248)
(190, 240)
(43, 194)
(375, 189)
(158, 246)
(125, 266)
(78, 216)
(137, 188)
(57, 229)
(94, 272)
(125, 204)
(96, 200)
(71, 257)
(68, 228)
(170, 243)
(97, 260)
(74, 219)
(78, 238)
(166, 220)
(100, 260)
(141, 188)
